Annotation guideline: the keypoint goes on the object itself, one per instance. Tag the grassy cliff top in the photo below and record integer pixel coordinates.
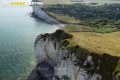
(77, 43)
(95, 42)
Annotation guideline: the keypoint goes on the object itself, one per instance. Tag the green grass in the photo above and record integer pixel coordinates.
(99, 43)
(106, 29)
(64, 18)
(83, 28)
(78, 28)
(117, 69)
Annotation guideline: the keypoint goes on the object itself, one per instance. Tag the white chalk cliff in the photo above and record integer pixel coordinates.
(47, 47)
(44, 16)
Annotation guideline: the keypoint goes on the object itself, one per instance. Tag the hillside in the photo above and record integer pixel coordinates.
(101, 43)
(83, 51)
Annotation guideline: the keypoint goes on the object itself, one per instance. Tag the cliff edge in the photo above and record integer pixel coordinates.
(72, 62)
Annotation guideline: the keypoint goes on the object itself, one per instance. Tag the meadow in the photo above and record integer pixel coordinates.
(93, 41)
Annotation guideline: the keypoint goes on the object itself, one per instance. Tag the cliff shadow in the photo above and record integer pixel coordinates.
(43, 71)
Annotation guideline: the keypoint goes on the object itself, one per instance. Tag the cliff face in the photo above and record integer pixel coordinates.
(44, 16)
(68, 67)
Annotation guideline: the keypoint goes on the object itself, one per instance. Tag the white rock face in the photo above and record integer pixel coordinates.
(82, 75)
(47, 49)
(66, 68)
(88, 60)
(95, 77)
(43, 15)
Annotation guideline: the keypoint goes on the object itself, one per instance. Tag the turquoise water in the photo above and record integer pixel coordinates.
(17, 35)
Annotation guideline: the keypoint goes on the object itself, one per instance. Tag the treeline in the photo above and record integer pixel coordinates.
(105, 16)
(84, 11)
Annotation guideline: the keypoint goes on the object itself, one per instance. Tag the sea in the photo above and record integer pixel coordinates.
(18, 31)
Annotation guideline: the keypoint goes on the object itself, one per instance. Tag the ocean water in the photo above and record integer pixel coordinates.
(18, 31)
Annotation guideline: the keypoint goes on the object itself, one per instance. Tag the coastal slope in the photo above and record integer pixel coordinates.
(37, 10)
(73, 62)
